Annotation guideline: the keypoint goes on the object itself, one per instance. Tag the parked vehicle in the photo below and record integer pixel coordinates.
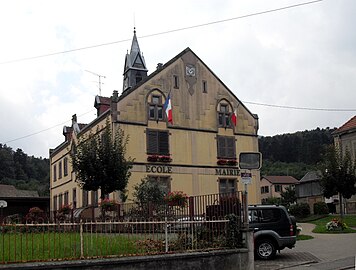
(274, 229)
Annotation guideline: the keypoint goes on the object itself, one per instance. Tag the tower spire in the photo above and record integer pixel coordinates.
(135, 67)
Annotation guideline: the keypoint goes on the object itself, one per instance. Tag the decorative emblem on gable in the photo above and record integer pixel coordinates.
(190, 76)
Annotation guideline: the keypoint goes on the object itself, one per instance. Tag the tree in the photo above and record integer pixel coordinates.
(148, 191)
(99, 161)
(338, 175)
(288, 196)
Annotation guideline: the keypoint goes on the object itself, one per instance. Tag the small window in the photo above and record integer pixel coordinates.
(60, 200)
(157, 142)
(66, 197)
(205, 87)
(60, 170)
(226, 147)
(278, 188)
(227, 186)
(94, 198)
(85, 198)
(55, 206)
(265, 189)
(224, 116)
(54, 173)
(155, 108)
(138, 77)
(74, 196)
(176, 81)
(65, 166)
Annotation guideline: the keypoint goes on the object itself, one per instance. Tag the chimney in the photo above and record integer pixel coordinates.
(67, 132)
(114, 101)
(75, 125)
(74, 119)
(159, 66)
(115, 96)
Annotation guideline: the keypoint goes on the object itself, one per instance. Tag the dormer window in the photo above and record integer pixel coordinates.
(224, 116)
(155, 111)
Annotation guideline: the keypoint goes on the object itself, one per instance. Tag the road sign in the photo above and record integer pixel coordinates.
(3, 204)
(250, 160)
(246, 178)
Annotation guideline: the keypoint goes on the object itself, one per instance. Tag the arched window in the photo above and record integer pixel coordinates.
(224, 115)
(155, 107)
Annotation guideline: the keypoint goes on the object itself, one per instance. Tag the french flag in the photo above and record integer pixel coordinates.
(167, 106)
(234, 118)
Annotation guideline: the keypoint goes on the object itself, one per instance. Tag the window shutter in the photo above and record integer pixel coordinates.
(230, 147)
(221, 147)
(152, 142)
(163, 143)
(226, 147)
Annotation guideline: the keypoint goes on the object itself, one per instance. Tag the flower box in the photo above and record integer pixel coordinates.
(159, 158)
(176, 198)
(230, 161)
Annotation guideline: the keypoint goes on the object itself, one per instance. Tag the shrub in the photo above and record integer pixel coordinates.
(300, 210)
(320, 208)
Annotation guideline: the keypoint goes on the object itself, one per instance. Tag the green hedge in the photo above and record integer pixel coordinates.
(320, 208)
(300, 210)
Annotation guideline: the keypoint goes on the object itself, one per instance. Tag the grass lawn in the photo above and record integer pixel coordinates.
(16, 247)
(350, 221)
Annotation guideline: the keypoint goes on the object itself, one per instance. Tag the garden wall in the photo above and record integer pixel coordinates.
(219, 259)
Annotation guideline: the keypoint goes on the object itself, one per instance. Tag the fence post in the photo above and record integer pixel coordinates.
(166, 233)
(81, 240)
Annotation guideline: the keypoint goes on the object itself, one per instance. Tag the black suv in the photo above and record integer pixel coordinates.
(274, 229)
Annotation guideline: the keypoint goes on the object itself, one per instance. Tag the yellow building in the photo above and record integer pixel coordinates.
(197, 152)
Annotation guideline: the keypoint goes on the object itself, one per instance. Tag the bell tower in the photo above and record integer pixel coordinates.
(135, 67)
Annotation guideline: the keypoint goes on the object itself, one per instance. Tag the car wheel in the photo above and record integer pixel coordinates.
(265, 249)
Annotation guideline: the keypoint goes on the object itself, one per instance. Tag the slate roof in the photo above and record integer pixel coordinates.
(349, 125)
(311, 176)
(281, 179)
(9, 191)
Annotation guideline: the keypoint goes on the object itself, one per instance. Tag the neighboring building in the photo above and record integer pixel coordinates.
(273, 185)
(20, 201)
(196, 152)
(345, 139)
(309, 190)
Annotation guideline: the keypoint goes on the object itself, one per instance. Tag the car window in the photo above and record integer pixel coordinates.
(270, 215)
(253, 216)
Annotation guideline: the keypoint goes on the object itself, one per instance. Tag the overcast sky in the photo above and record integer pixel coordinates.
(298, 57)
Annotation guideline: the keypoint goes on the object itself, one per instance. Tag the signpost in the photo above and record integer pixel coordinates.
(248, 161)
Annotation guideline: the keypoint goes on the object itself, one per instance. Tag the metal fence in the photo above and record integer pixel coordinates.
(203, 223)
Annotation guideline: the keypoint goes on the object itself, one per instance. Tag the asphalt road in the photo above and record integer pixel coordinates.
(325, 251)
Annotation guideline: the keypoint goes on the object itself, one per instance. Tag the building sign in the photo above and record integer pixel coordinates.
(246, 178)
(234, 172)
(158, 169)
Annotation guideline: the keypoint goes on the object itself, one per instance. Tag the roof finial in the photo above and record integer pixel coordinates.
(134, 30)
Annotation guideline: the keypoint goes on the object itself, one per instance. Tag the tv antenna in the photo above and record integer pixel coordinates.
(99, 76)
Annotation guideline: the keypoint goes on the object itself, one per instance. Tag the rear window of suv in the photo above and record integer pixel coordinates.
(264, 215)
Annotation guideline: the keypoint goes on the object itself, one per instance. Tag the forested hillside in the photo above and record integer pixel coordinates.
(23, 171)
(295, 153)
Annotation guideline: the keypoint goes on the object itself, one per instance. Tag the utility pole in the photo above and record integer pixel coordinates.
(99, 76)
